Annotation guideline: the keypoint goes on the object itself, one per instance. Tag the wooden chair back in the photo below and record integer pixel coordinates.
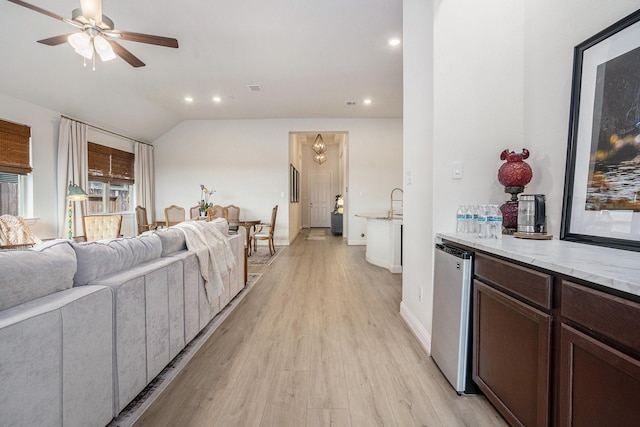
(173, 215)
(98, 227)
(233, 213)
(141, 220)
(216, 211)
(194, 212)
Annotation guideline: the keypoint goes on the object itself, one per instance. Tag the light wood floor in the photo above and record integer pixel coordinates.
(317, 342)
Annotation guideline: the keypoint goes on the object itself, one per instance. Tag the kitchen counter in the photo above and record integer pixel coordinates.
(612, 268)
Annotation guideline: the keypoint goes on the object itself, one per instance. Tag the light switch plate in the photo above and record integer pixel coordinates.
(457, 170)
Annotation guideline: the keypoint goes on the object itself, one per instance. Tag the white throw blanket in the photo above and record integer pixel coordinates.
(214, 254)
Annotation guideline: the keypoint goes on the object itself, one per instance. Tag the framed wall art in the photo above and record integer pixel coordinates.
(602, 182)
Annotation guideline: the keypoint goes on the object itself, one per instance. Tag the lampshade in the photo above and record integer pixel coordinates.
(318, 145)
(320, 158)
(81, 43)
(76, 194)
(85, 45)
(103, 48)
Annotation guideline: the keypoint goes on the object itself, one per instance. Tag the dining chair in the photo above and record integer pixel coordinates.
(233, 217)
(265, 232)
(194, 212)
(216, 211)
(98, 227)
(141, 220)
(173, 215)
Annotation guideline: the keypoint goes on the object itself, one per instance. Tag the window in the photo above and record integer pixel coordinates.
(111, 178)
(15, 164)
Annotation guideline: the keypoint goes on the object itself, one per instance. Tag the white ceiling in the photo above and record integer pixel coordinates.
(309, 56)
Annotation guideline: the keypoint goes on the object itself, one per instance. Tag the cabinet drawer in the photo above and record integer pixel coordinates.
(611, 316)
(532, 285)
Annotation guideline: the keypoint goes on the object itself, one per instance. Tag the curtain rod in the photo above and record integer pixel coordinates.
(105, 130)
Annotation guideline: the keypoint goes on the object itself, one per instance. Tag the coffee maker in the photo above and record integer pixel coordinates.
(532, 216)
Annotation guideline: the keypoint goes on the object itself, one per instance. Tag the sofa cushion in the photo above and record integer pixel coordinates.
(36, 272)
(104, 257)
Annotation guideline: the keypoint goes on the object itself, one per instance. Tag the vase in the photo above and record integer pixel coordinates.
(515, 173)
(203, 214)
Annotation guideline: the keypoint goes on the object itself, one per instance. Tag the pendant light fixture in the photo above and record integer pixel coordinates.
(320, 158)
(319, 146)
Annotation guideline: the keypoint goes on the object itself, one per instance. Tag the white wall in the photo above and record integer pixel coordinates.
(247, 162)
(501, 79)
(418, 165)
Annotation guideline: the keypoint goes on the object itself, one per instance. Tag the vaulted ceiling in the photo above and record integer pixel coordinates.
(309, 57)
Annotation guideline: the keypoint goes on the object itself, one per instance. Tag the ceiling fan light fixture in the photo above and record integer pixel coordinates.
(103, 48)
(79, 41)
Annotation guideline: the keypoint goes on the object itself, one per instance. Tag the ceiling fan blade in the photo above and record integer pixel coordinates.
(144, 38)
(45, 12)
(55, 41)
(125, 54)
(92, 9)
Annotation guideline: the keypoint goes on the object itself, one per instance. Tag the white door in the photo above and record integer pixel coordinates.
(320, 199)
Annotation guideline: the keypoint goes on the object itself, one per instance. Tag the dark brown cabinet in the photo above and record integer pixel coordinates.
(599, 365)
(549, 351)
(512, 343)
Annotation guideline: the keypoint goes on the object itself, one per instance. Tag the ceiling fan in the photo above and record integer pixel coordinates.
(97, 34)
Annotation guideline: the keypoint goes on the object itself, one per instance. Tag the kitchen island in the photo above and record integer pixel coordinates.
(384, 241)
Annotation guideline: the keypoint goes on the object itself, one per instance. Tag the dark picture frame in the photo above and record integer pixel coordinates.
(601, 203)
(294, 184)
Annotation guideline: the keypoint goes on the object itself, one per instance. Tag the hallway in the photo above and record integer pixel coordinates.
(317, 342)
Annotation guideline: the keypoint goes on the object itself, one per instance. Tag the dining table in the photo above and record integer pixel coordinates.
(247, 224)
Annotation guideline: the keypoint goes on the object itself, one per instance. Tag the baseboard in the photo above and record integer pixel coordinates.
(416, 327)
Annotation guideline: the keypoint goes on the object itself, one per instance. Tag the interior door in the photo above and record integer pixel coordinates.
(320, 203)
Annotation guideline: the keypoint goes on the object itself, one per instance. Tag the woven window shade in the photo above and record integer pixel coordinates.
(107, 164)
(14, 148)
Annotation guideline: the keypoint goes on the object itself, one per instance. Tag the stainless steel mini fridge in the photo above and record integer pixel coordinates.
(451, 331)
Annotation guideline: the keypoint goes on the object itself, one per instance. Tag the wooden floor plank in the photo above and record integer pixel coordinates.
(317, 342)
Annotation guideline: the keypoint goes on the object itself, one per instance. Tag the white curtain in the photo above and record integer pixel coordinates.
(72, 167)
(144, 176)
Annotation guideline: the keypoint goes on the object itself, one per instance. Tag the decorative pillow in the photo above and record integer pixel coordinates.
(33, 273)
(103, 257)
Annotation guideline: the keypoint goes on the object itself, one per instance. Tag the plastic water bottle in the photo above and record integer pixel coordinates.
(497, 219)
(476, 210)
(488, 230)
(482, 221)
(460, 220)
(469, 219)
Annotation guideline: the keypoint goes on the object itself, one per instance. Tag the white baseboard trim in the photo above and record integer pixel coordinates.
(416, 327)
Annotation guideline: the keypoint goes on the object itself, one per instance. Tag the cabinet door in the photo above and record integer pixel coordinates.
(512, 356)
(599, 386)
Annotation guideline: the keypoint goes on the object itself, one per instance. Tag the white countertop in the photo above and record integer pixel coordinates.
(613, 268)
(385, 217)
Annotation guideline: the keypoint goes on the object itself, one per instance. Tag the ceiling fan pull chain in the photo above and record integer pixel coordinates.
(94, 63)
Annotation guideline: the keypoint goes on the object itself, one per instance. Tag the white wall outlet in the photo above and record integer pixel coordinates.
(420, 294)
(456, 170)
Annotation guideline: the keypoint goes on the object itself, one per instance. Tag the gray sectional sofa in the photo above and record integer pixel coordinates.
(84, 327)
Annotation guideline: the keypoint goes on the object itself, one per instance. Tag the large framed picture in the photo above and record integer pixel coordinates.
(602, 182)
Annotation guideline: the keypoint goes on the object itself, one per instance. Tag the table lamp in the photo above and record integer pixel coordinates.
(75, 194)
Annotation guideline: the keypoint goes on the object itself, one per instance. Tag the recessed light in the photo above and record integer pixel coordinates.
(367, 101)
(394, 42)
(217, 99)
(188, 99)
